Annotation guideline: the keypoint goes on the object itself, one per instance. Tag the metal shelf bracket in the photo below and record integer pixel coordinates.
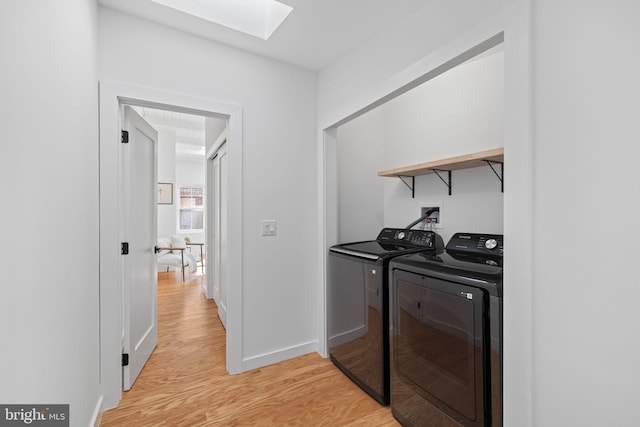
(447, 181)
(499, 175)
(411, 187)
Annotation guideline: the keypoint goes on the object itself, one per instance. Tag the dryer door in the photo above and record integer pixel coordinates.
(440, 350)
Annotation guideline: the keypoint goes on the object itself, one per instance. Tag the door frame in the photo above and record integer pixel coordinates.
(112, 95)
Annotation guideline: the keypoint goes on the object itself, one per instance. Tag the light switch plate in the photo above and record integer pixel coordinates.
(269, 227)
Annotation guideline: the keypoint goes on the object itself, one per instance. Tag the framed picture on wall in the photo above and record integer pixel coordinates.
(165, 193)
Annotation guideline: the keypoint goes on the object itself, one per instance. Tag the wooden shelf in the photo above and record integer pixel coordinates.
(453, 163)
(466, 161)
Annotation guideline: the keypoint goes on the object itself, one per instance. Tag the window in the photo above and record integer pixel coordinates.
(191, 208)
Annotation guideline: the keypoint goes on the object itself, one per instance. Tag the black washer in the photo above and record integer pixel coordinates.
(358, 304)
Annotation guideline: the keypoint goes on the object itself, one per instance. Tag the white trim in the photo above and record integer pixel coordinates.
(518, 323)
(328, 194)
(279, 355)
(97, 413)
(112, 94)
(213, 151)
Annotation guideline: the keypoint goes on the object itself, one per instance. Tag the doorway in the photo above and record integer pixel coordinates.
(183, 141)
(112, 96)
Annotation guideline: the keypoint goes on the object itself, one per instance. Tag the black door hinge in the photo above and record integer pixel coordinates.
(124, 248)
(125, 137)
(125, 359)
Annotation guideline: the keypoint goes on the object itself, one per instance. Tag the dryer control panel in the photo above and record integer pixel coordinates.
(405, 236)
(485, 244)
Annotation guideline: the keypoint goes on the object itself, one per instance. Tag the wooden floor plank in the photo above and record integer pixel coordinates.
(185, 382)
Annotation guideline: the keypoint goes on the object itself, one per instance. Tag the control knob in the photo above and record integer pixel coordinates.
(401, 235)
(491, 243)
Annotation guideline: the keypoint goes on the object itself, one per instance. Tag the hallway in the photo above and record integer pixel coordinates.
(185, 382)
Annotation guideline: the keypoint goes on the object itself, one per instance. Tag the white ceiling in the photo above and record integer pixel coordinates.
(189, 130)
(316, 33)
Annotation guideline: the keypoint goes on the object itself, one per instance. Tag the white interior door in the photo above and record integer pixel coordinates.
(139, 218)
(219, 172)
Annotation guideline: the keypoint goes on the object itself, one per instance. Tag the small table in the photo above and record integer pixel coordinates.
(172, 249)
(201, 253)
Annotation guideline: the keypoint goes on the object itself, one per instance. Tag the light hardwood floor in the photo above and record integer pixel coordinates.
(185, 382)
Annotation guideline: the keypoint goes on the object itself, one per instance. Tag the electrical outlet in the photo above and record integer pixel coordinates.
(435, 217)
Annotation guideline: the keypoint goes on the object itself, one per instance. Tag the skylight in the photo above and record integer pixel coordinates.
(259, 18)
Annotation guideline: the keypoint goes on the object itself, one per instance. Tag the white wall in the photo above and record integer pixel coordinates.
(49, 173)
(475, 206)
(279, 162)
(455, 113)
(361, 192)
(180, 172)
(458, 112)
(586, 152)
(190, 172)
(167, 173)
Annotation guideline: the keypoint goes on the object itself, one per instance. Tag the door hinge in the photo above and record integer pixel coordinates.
(124, 248)
(125, 137)
(125, 359)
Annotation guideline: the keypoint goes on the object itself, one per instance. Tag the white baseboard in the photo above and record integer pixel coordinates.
(97, 413)
(278, 356)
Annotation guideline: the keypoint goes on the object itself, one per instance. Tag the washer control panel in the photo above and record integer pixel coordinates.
(477, 243)
(408, 237)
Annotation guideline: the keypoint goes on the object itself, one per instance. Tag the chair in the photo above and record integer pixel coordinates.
(201, 259)
(171, 253)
